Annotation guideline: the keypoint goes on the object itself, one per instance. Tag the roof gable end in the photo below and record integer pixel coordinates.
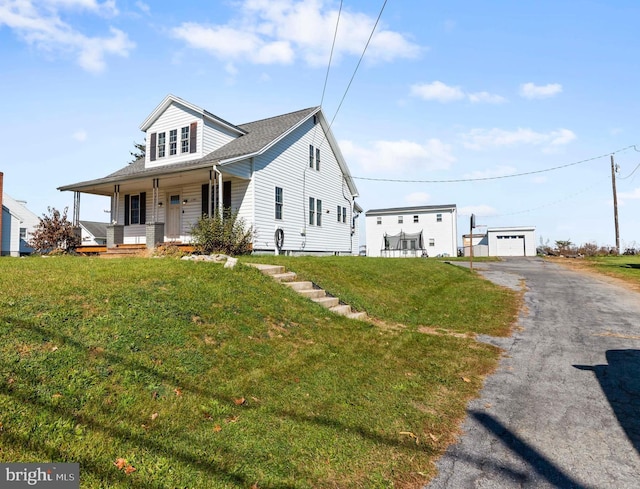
(172, 99)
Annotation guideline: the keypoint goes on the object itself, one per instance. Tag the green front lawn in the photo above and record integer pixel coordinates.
(154, 373)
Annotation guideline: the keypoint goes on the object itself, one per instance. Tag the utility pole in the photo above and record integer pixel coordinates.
(472, 224)
(615, 205)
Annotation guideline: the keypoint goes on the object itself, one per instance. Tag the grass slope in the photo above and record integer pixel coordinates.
(204, 377)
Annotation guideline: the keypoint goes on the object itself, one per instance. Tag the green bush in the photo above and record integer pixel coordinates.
(222, 233)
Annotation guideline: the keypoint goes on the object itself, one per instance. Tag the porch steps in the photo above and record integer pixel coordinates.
(310, 290)
(124, 250)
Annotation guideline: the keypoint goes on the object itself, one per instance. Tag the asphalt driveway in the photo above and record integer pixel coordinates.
(563, 408)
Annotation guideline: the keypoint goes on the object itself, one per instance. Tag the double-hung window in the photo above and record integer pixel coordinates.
(342, 214)
(184, 139)
(173, 142)
(438, 217)
(162, 136)
(400, 219)
(312, 211)
(314, 157)
(278, 203)
(315, 212)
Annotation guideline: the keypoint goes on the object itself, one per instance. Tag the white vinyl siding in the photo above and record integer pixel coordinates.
(438, 226)
(174, 118)
(286, 165)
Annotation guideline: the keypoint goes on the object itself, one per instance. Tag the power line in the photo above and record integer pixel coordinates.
(335, 35)
(513, 175)
(359, 61)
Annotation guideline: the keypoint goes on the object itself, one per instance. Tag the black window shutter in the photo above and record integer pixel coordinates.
(152, 149)
(126, 209)
(226, 194)
(205, 199)
(143, 207)
(193, 136)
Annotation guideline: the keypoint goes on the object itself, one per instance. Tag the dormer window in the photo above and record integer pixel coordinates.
(173, 142)
(161, 144)
(184, 139)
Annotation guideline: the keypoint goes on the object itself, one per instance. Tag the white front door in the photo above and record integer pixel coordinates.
(174, 217)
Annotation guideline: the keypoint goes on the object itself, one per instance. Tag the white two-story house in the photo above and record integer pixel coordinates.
(419, 231)
(285, 176)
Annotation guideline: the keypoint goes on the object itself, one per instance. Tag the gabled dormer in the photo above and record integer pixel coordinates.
(178, 131)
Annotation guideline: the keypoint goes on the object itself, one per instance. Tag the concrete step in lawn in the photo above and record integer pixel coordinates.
(309, 290)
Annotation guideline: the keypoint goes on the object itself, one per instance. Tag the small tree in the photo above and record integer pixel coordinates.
(139, 152)
(215, 234)
(564, 246)
(54, 232)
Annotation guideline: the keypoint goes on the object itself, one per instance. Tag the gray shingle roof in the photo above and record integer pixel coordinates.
(98, 229)
(259, 134)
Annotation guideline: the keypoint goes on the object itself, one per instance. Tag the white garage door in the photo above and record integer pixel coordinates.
(510, 245)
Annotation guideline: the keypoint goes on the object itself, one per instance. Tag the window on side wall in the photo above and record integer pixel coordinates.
(310, 156)
(438, 217)
(416, 219)
(344, 215)
(400, 219)
(432, 241)
(312, 211)
(379, 220)
(278, 203)
(318, 212)
(317, 159)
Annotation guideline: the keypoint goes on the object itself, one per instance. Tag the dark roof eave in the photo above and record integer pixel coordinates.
(135, 176)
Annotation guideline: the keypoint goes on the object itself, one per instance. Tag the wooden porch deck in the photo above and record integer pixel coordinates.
(123, 250)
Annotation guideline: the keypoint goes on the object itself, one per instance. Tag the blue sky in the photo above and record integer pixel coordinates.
(446, 91)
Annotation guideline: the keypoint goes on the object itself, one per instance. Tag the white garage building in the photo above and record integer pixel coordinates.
(511, 241)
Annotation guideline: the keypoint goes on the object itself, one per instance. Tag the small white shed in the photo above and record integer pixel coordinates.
(512, 241)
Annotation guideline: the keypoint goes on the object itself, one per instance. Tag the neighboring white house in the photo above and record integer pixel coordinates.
(412, 231)
(285, 176)
(93, 233)
(18, 225)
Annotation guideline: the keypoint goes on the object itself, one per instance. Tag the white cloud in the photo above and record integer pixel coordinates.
(396, 157)
(40, 25)
(499, 171)
(437, 91)
(417, 198)
(633, 195)
(539, 180)
(143, 7)
(479, 139)
(444, 93)
(481, 210)
(276, 32)
(80, 135)
(486, 97)
(533, 91)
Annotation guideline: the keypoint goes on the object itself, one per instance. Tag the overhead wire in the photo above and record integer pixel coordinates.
(498, 177)
(359, 62)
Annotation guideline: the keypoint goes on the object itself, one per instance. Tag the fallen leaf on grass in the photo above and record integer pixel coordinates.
(154, 416)
(239, 401)
(217, 428)
(411, 435)
(129, 469)
(120, 463)
(178, 392)
(433, 437)
(466, 379)
(232, 419)
(254, 486)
